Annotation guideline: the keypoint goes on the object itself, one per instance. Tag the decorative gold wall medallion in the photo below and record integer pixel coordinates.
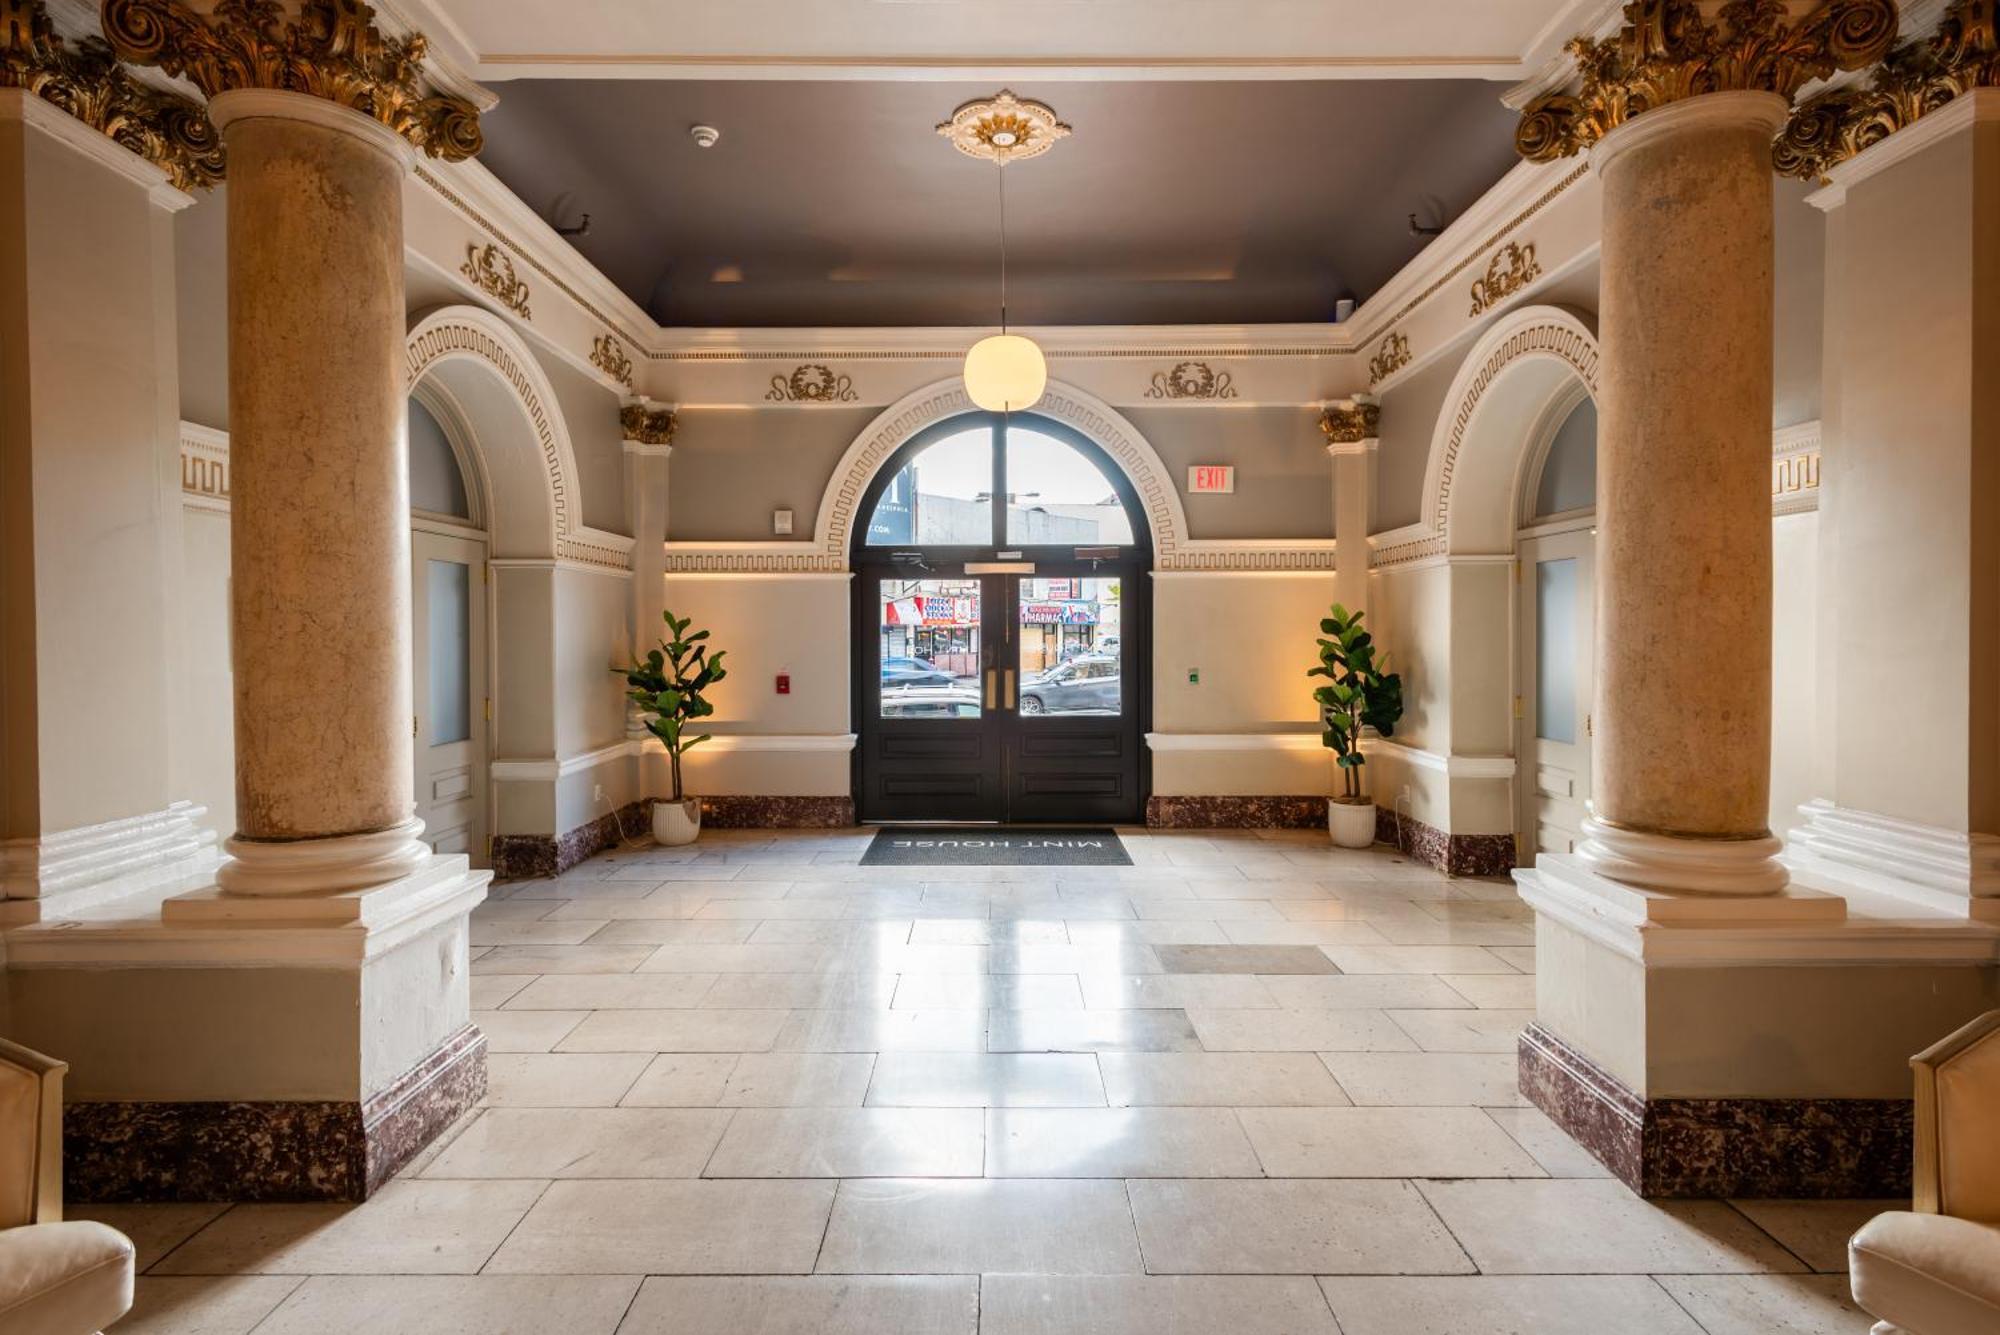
(1912, 81)
(1669, 51)
(648, 425)
(608, 357)
(329, 49)
(1391, 357)
(490, 268)
(87, 82)
(1004, 128)
(1192, 380)
(811, 384)
(1512, 268)
(1351, 420)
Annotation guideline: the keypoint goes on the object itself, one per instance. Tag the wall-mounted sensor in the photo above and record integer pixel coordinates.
(704, 136)
(781, 522)
(1343, 309)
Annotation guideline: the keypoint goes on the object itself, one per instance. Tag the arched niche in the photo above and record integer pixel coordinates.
(1510, 397)
(1096, 420)
(469, 368)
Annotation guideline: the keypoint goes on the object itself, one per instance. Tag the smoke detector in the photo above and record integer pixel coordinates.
(704, 136)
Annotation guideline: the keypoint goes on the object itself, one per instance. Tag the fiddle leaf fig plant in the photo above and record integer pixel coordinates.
(669, 686)
(1358, 694)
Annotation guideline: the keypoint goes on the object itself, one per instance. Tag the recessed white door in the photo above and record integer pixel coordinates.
(1557, 639)
(448, 602)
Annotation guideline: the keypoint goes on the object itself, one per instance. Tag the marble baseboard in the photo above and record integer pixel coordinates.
(326, 1150)
(1454, 854)
(1745, 1148)
(519, 856)
(1236, 813)
(777, 813)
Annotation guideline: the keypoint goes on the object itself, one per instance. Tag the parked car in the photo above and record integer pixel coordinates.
(901, 671)
(1084, 685)
(932, 702)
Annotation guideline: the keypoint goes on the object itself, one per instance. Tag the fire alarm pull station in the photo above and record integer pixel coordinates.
(784, 683)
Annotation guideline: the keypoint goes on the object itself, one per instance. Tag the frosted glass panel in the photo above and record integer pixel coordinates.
(450, 593)
(1556, 626)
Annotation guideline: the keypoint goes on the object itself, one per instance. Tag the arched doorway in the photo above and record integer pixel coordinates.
(1000, 628)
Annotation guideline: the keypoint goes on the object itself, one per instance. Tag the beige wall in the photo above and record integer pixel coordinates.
(1913, 264)
(1252, 636)
(1800, 284)
(732, 466)
(1410, 409)
(1284, 479)
(1796, 715)
(201, 324)
(590, 411)
(204, 753)
(90, 523)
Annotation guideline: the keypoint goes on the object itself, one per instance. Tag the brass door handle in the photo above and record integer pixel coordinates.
(989, 688)
(1009, 675)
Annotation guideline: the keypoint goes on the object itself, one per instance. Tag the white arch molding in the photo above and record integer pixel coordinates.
(1479, 451)
(1103, 425)
(503, 399)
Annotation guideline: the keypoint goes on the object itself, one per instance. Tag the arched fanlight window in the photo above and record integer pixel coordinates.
(1061, 490)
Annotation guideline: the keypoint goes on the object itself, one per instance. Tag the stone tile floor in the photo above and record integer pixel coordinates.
(1251, 1084)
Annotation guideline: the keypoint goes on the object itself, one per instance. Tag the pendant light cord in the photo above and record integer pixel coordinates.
(1001, 167)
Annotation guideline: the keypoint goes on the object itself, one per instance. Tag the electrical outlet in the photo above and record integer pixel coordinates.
(597, 793)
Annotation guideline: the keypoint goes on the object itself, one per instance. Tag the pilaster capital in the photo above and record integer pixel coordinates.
(1671, 51)
(87, 82)
(328, 49)
(1913, 81)
(648, 427)
(1351, 426)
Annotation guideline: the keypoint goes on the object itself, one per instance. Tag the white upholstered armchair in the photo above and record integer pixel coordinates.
(1935, 1269)
(56, 1278)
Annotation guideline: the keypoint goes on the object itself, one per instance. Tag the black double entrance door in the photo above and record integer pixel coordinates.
(1000, 691)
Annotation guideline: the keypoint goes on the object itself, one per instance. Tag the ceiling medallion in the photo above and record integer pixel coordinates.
(1004, 128)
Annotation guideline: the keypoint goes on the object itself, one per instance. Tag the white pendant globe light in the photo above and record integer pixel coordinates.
(1005, 373)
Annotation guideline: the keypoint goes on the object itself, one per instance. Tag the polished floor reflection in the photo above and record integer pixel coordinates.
(1251, 1084)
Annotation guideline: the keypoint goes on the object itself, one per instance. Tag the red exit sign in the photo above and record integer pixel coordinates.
(1212, 479)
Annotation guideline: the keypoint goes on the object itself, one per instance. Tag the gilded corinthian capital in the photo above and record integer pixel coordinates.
(87, 82)
(1350, 421)
(647, 424)
(329, 49)
(1913, 80)
(1670, 50)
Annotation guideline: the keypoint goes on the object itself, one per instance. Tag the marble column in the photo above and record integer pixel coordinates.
(1353, 441)
(648, 429)
(1683, 692)
(320, 550)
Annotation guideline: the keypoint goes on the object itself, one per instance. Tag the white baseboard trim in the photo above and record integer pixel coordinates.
(1943, 870)
(1451, 766)
(54, 874)
(548, 771)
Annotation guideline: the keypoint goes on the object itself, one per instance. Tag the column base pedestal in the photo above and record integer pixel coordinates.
(308, 1150)
(1703, 1045)
(1725, 1147)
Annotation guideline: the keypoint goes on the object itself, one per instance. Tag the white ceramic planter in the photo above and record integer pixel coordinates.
(676, 823)
(1352, 824)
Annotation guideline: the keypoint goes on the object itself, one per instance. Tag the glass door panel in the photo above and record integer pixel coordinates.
(931, 649)
(1067, 646)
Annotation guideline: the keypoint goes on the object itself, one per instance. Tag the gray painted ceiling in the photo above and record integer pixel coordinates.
(836, 204)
